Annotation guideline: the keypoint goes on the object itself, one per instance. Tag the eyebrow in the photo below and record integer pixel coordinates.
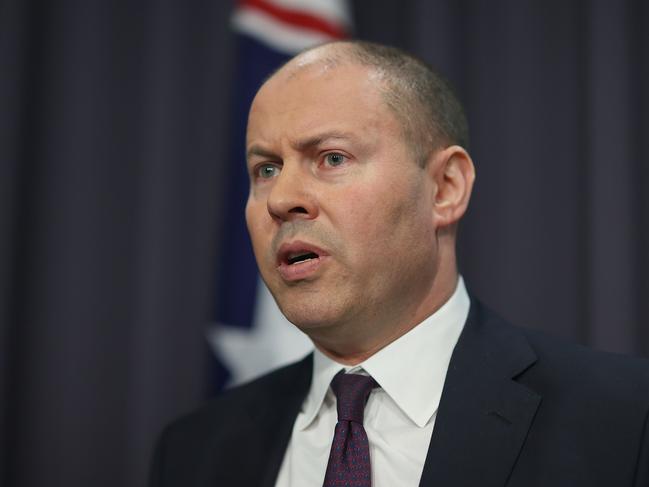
(301, 145)
(316, 140)
(257, 150)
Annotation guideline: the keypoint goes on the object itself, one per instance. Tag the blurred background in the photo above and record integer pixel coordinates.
(121, 243)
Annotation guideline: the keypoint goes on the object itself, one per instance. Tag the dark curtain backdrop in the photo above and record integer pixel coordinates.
(113, 131)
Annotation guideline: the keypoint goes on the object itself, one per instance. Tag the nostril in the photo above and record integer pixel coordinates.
(298, 209)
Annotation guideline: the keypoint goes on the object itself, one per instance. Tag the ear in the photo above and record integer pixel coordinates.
(453, 173)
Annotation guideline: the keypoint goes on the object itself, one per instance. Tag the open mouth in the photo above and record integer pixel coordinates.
(297, 257)
(297, 261)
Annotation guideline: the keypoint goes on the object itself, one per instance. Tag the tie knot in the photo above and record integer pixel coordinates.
(352, 391)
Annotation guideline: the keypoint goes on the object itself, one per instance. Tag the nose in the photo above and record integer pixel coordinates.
(290, 197)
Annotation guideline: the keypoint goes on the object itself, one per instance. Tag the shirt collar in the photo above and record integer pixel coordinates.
(324, 370)
(422, 355)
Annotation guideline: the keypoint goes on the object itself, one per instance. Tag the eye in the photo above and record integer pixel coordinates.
(266, 171)
(334, 159)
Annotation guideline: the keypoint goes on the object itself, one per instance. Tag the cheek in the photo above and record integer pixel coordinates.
(255, 221)
(370, 221)
(385, 230)
(386, 203)
(354, 211)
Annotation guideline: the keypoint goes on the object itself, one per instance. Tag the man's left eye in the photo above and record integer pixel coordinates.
(334, 159)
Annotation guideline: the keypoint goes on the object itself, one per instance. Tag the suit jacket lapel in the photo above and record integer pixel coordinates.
(250, 447)
(484, 415)
(273, 423)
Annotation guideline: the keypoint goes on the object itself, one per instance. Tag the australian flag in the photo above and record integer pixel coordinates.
(250, 336)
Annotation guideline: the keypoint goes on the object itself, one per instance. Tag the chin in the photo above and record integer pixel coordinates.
(305, 319)
(311, 316)
(311, 306)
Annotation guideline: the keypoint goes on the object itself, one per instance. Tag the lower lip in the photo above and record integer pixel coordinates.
(300, 270)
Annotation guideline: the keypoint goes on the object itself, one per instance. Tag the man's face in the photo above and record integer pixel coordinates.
(339, 213)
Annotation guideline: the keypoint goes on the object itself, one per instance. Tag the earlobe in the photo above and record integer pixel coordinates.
(454, 175)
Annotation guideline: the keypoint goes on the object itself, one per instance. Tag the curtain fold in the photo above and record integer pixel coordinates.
(115, 121)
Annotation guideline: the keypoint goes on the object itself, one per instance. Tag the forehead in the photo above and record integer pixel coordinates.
(319, 97)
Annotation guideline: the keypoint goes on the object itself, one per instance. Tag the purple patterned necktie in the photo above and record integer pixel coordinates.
(349, 459)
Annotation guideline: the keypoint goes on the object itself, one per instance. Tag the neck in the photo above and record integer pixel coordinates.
(354, 342)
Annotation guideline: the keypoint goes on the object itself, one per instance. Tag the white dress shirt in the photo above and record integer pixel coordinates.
(399, 416)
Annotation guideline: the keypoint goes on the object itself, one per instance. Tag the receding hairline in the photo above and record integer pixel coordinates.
(328, 55)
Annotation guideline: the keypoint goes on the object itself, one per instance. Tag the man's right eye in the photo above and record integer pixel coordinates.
(267, 171)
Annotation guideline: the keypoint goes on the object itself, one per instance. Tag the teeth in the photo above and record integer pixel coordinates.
(301, 257)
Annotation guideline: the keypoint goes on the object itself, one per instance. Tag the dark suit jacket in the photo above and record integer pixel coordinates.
(518, 409)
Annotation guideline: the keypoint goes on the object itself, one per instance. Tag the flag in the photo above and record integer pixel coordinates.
(250, 336)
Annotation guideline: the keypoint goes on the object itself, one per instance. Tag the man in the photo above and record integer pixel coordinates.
(359, 177)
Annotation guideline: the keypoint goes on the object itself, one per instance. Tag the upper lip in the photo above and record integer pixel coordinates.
(289, 250)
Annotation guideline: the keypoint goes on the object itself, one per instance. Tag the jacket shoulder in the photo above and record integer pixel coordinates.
(242, 398)
(593, 417)
(579, 368)
(231, 433)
